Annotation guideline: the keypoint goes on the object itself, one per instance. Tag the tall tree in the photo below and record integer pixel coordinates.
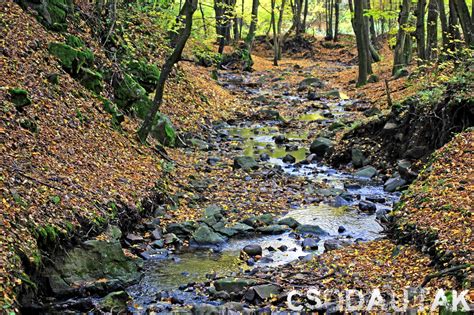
(361, 32)
(187, 11)
(444, 23)
(253, 25)
(420, 29)
(275, 35)
(453, 28)
(465, 19)
(400, 48)
(336, 21)
(432, 30)
(280, 37)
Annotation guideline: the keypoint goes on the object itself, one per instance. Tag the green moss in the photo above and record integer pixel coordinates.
(19, 97)
(163, 130)
(29, 124)
(71, 59)
(145, 74)
(141, 107)
(74, 41)
(127, 91)
(58, 10)
(111, 108)
(91, 80)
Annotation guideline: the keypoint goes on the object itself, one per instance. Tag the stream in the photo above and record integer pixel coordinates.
(166, 277)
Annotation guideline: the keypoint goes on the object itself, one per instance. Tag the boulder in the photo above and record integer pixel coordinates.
(289, 159)
(221, 228)
(311, 82)
(115, 302)
(199, 144)
(341, 229)
(320, 146)
(335, 244)
(19, 98)
(404, 169)
(394, 183)
(375, 198)
(273, 229)
(233, 285)
(78, 271)
(262, 292)
(266, 218)
(245, 162)
(292, 223)
(416, 152)
(367, 206)
(170, 239)
(280, 139)
(357, 158)
(311, 229)
(214, 211)
(310, 243)
(366, 172)
(205, 236)
(242, 228)
(253, 250)
(182, 230)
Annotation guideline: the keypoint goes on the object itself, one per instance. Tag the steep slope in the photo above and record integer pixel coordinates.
(64, 167)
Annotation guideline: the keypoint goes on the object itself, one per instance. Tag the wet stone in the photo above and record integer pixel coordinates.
(253, 250)
(367, 207)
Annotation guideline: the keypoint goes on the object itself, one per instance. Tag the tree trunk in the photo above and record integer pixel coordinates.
(275, 36)
(444, 23)
(279, 26)
(253, 25)
(329, 12)
(189, 8)
(420, 29)
(362, 47)
(305, 15)
(432, 30)
(454, 33)
(399, 60)
(373, 34)
(336, 22)
(465, 19)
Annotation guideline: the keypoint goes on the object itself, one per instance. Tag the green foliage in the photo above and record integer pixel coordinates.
(55, 199)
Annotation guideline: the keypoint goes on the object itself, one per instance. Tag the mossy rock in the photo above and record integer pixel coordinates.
(111, 108)
(163, 131)
(145, 74)
(71, 58)
(91, 80)
(141, 107)
(127, 91)
(20, 98)
(58, 10)
(74, 41)
(239, 59)
(29, 124)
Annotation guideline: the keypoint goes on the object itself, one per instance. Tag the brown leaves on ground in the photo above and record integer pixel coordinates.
(441, 200)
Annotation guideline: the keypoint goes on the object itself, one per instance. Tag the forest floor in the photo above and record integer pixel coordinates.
(76, 165)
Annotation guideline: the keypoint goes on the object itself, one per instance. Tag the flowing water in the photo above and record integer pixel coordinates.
(163, 277)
